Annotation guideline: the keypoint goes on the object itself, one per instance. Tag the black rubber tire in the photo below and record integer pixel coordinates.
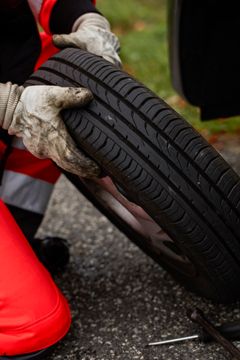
(166, 166)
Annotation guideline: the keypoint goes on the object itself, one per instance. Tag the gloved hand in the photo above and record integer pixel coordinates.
(91, 32)
(34, 115)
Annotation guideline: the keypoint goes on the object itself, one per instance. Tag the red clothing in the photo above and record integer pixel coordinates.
(43, 15)
(27, 181)
(33, 313)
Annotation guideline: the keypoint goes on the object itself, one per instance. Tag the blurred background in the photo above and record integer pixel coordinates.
(142, 28)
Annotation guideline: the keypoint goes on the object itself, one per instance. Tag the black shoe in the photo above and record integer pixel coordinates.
(53, 252)
(33, 356)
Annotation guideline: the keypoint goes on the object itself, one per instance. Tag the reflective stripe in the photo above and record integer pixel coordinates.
(25, 192)
(35, 6)
(23, 162)
(18, 143)
(20, 160)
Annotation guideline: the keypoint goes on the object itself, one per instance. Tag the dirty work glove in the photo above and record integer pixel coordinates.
(91, 32)
(34, 115)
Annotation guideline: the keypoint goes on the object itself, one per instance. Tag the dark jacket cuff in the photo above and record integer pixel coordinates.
(66, 12)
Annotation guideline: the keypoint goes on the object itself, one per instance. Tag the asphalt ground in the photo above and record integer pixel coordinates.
(120, 299)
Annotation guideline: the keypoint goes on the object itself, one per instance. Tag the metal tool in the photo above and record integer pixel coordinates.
(172, 341)
(229, 330)
(198, 317)
(210, 333)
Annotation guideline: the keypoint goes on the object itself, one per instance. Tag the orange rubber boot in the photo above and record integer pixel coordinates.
(34, 315)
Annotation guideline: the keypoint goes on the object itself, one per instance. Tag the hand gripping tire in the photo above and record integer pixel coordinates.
(159, 174)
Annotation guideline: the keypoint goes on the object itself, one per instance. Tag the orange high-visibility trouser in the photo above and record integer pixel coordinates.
(33, 313)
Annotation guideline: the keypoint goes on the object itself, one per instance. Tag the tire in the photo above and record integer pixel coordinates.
(159, 162)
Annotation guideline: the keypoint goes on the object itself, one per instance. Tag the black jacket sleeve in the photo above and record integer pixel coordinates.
(66, 12)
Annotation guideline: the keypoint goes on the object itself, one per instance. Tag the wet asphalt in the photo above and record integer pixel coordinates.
(120, 299)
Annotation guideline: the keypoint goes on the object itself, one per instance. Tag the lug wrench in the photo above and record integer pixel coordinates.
(220, 334)
(198, 317)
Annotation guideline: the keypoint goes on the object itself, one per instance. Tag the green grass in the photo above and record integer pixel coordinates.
(142, 28)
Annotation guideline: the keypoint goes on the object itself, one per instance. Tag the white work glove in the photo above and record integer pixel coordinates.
(34, 115)
(91, 32)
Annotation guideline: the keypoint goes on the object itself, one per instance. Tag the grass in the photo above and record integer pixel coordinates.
(142, 29)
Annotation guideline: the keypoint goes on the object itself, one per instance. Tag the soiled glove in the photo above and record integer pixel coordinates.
(91, 32)
(34, 115)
